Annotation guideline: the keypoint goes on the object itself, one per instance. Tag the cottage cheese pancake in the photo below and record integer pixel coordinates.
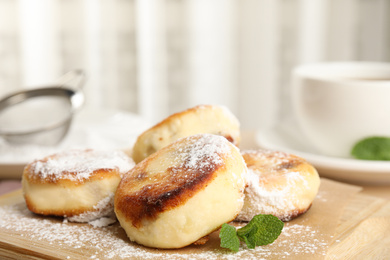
(78, 184)
(182, 192)
(280, 184)
(210, 119)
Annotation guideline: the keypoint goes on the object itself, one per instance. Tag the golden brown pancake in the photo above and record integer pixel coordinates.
(77, 184)
(280, 184)
(210, 119)
(182, 192)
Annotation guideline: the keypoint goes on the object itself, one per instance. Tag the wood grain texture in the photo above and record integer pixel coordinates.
(361, 215)
(369, 240)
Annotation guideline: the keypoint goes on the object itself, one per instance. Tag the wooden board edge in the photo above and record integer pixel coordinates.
(10, 251)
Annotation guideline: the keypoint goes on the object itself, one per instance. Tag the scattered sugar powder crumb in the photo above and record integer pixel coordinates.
(322, 196)
(82, 163)
(103, 222)
(103, 208)
(307, 240)
(108, 242)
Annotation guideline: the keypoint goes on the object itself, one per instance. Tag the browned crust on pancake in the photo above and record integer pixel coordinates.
(230, 139)
(252, 160)
(294, 214)
(62, 178)
(176, 116)
(175, 186)
(202, 240)
(94, 176)
(59, 213)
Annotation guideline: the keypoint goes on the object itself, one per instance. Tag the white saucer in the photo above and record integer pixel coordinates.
(98, 129)
(343, 169)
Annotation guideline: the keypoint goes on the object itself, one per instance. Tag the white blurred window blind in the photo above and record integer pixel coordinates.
(156, 57)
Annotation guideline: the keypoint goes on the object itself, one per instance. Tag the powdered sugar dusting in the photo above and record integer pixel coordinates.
(103, 208)
(103, 222)
(275, 201)
(203, 151)
(262, 196)
(82, 240)
(78, 165)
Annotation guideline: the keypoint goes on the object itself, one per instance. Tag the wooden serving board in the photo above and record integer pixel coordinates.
(330, 229)
(363, 231)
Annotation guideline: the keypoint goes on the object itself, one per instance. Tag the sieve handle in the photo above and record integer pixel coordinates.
(74, 79)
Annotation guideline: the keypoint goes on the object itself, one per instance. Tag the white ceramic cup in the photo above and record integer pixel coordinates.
(336, 104)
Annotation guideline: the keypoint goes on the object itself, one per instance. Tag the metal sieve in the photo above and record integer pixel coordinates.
(42, 116)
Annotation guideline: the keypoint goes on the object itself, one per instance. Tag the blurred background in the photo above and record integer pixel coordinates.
(156, 57)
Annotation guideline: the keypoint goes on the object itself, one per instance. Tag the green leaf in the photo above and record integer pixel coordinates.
(229, 238)
(372, 148)
(261, 230)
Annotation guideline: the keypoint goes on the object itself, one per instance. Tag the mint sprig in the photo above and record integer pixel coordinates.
(229, 238)
(372, 148)
(261, 230)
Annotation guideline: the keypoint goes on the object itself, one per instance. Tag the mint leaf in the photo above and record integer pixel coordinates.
(229, 238)
(261, 230)
(372, 148)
